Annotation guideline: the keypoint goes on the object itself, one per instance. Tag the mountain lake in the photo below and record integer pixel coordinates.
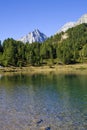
(43, 102)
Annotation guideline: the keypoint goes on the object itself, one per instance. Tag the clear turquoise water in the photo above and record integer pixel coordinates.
(39, 101)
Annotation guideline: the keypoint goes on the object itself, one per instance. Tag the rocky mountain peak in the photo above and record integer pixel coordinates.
(34, 36)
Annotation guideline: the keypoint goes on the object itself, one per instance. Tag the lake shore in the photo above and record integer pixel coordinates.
(75, 68)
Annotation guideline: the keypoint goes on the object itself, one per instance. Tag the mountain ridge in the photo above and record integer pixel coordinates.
(66, 26)
(37, 36)
(34, 36)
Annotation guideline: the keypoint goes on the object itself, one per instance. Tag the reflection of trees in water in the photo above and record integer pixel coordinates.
(69, 83)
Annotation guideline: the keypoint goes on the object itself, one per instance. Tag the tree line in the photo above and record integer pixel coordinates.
(55, 50)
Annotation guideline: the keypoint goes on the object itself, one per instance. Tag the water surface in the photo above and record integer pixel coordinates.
(36, 102)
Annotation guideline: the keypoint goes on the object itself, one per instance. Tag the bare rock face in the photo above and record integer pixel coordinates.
(35, 36)
(81, 20)
(64, 28)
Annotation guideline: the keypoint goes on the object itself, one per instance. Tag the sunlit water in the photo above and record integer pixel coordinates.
(43, 102)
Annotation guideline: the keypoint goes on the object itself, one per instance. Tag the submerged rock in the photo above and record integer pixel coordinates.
(47, 128)
(39, 122)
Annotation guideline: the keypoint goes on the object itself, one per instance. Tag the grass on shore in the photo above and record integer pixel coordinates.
(77, 68)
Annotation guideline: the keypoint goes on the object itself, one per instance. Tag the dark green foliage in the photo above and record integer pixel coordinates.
(70, 50)
(64, 52)
(13, 53)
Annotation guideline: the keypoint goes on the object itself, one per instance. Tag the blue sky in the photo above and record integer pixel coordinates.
(19, 17)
